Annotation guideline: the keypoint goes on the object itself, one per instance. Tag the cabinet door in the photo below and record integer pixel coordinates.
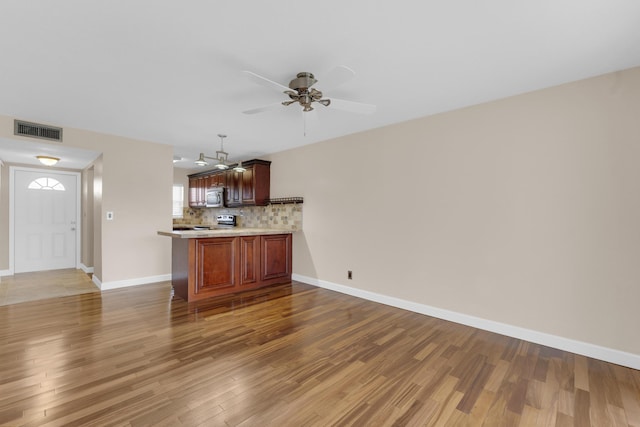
(276, 257)
(215, 262)
(218, 180)
(193, 192)
(197, 192)
(249, 260)
(234, 187)
(248, 187)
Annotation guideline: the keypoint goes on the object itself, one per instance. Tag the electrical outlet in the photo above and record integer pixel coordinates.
(109, 216)
(349, 275)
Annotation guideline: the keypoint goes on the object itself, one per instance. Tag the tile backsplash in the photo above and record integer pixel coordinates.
(284, 216)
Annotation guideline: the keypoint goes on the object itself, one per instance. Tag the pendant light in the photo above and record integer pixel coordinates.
(221, 155)
(239, 168)
(221, 158)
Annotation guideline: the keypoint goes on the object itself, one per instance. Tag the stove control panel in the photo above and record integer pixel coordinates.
(226, 219)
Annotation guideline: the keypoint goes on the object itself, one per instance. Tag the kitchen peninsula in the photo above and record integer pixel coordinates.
(207, 263)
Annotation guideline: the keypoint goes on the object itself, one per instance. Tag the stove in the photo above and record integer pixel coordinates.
(226, 220)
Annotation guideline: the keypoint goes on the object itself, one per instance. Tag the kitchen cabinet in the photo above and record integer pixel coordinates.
(197, 191)
(248, 188)
(200, 182)
(249, 247)
(204, 267)
(218, 179)
(234, 186)
(251, 187)
(212, 276)
(276, 257)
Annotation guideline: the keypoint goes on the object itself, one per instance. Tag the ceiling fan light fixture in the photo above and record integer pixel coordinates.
(300, 91)
(48, 160)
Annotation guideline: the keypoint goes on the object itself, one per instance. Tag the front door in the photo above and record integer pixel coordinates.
(45, 223)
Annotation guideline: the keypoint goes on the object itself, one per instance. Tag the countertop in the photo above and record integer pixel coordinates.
(222, 232)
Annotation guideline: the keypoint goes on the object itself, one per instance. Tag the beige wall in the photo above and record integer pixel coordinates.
(4, 217)
(180, 177)
(138, 192)
(523, 211)
(87, 217)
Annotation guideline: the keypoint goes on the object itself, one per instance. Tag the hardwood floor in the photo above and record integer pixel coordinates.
(23, 287)
(289, 355)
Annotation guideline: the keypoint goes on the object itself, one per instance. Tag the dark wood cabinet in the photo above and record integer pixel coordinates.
(249, 247)
(255, 183)
(276, 257)
(200, 182)
(211, 266)
(212, 276)
(234, 188)
(248, 188)
(197, 192)
(218, 179)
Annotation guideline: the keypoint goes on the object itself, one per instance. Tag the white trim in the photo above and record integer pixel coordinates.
(6, 273)
(96, 281)
(78, 176)
(86, 269)
(130, 282)
(579, 347)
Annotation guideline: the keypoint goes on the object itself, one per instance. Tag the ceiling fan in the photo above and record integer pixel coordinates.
(300, 92)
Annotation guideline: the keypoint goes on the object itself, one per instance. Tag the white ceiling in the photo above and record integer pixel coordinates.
(170, 72)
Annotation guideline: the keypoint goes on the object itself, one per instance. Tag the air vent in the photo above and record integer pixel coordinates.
(36, 130)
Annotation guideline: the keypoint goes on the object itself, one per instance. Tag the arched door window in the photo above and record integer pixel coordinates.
(46, 184)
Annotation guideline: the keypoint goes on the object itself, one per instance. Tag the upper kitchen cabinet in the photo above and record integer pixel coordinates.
(200, 182)
(251, 187)
(197, 191)
(218, 180)
(248, 188)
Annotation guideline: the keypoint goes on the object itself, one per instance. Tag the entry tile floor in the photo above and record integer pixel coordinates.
(23, 287)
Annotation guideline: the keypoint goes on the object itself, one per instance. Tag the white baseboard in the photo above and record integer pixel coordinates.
(586, 349)
(130, 282)
(86, 269)
(6, 273)
(97, 281)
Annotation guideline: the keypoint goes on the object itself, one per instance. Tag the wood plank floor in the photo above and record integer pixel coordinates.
(290, 355)
(23, 287)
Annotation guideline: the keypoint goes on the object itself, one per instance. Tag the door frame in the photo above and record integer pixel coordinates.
(12, 172)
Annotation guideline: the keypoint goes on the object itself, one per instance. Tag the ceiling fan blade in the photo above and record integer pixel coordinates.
(263, 108)
(336, 77)
(354, 107)
(263, 81)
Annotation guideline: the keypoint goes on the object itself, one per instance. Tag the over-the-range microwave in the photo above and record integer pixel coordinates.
(215, 197)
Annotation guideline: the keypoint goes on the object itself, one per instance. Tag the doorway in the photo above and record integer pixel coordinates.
(44, 219)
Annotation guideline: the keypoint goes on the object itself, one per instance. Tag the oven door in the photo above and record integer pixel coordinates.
(215, 197)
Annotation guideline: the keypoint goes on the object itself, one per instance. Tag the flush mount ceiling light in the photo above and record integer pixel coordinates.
(176, 159)
(48, 160)
(221, 158)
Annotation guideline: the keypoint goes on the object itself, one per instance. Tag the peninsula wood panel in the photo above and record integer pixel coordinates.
(276, 257)
(207, 267)
(249, 264)
(215, 264)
